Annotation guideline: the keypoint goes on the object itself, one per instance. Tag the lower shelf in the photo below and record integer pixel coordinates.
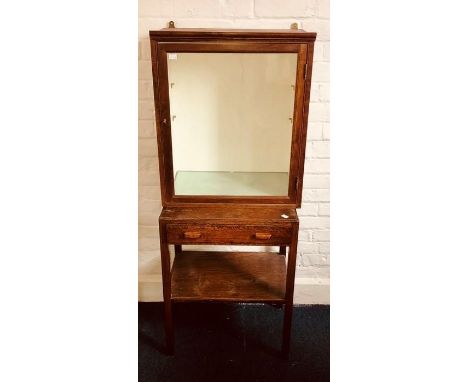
(229, 276)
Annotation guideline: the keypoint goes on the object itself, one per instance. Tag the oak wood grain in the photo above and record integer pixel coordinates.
(233, 276)
(206, 34)
(166, 276)
(224, 219)
(229, 234)
(218, 41)
(230, 214)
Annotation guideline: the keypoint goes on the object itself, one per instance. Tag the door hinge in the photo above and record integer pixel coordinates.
(297, 183)
(305, 70)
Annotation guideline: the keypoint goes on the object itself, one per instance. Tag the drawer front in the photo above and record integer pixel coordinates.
(229, 234)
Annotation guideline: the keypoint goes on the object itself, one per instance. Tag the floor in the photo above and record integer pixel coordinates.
(233, 342)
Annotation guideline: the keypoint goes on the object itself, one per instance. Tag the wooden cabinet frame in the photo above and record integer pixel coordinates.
(238, 220)
(238, 41)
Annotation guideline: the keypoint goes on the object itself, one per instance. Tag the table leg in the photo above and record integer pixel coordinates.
(178, 248)
(288, 306)
(282, 250)
(166, 276)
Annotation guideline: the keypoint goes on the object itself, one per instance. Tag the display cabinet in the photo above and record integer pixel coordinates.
(231, 117)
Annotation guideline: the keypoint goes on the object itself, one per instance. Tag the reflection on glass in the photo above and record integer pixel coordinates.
(231, 122)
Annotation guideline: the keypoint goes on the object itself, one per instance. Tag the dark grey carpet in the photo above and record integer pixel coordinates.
(233, 342)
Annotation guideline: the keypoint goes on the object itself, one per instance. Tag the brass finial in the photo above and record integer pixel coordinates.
(294, 26)
(171, 24)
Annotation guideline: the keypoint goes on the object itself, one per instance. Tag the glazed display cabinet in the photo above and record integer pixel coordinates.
(231, 116)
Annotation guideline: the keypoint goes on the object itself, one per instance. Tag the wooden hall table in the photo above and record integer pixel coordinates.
(266, 277)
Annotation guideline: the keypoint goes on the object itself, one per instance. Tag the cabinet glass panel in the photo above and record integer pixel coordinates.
(231, 122)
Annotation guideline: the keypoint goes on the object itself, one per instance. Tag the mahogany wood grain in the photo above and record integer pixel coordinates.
(228, 276)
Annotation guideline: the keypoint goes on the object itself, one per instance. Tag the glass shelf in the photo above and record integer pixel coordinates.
(231, 183)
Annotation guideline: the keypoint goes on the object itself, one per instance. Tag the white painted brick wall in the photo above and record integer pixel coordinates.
(314, 236)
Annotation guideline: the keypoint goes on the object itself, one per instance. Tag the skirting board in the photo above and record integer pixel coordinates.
(306, 290)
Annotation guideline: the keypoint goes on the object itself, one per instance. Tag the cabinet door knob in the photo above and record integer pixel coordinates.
(192, 235)
(262, 236)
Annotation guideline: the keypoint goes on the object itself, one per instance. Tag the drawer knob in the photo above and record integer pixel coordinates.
(262, 236)
(192, 235)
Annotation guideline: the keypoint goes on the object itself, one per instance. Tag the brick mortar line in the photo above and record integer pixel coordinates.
(235, 18)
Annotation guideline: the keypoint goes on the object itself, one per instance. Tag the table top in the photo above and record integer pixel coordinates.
(231, 213)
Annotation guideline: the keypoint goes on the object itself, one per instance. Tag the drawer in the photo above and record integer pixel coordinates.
(229, 234)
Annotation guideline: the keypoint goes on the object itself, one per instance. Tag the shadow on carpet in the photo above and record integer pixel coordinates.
(233, 342)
